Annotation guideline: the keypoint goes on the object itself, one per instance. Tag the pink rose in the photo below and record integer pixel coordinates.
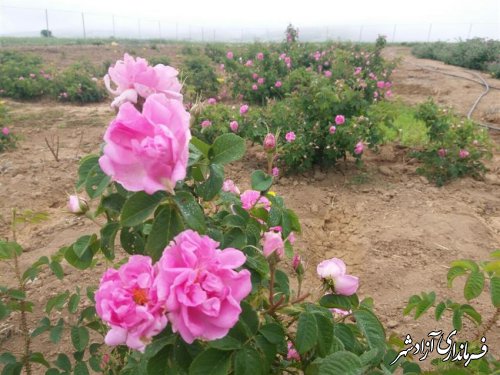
(200, 286)
(328, 73)
(255, 87)
(206, 123)
(292, 354)
(211, 101)
(357, 70)
(332, 129)
(282, 56)
(388, 93)
(77, 205)
(230, 187)
(277, 84)
(5, 131)
(275, 171)
(388, 85)
(21, 78)
(290, 136)
(135, 77)
(260, 81)
(233, 125)
(255, 76)
(334, 271)
(244, 109)
(222, 66)
(149, 150)
(127, 301)
(463, 154)
(288, 62)
(340, 312)
(249, 63)
(291, 238)
(442, 152)
(339, 119)
(260, 56)
(269, 142)
(32, 75)
(296, 261)
(358, 149)
(272, 242)
(475, 142)
(229, 55)
(252, 198)
(381, 84)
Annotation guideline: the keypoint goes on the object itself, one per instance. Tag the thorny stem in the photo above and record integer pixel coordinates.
(489, 324)
(272, 269)
(22, 303)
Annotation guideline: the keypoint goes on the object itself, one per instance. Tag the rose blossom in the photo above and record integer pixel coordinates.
(252, 198)
(291, 238)
(229, 55)
(135, 77)
(77, 205)
(206, 123)
(328, 73)
(334, 271)
(149, 150)
(233, 125)
(127, 301)
(339, 119)
(272, 242)
(230, 187)
(380, 84)
(255, 87)
(358, 149)
(332, 129)
(5, 131)
(260, 81)
(275, 171)
(463, 154)
(260, 56)
(200, 286)
(292, 354)
(249, 63)
(269, 142)
(442, 152)
(255, 76)
(211, 101)
(277, 84)
(244, 109)
(290, 136)
(341, 312)
(357, 70)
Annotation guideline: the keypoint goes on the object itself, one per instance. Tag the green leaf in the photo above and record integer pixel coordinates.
(139, 207)
(256, 261)
(227, 148)
(4, 311)
(212, 186)
(57, 269)
(16, 294)
(339, 302)
(79, 337)
(97, 181)
(166, 225)
(261, 181)
(108, 236)
(132, 240)
(7, 358)
(495, 290)
(191, 211)
(211, 362)
(56, 302)
(74, 300)
(56, 331)
(474, 285)
(13, 369)
(113, 203)
(457, 318)
(235, 238)
(203, 147)
(342, 362)
(86, 164)
(83, 244)
(53, 371)
(453, 272)
(495, 254)
(440, 308)
(307, 333)
(269, 350)
(247, 361)
(472, 313)
(234, 221)
(226, 343)
(281, 284)
(273, 332)
(372, 329)
(39, 358)
(465, 263)
(325, 334)
(81, 369)
(8, 250)
(95, 363)
(81, 263)
(493, 267)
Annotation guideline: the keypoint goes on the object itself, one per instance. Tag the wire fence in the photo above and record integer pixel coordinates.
(29, 22)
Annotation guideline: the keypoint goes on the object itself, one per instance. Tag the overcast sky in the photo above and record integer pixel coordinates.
(278, 13)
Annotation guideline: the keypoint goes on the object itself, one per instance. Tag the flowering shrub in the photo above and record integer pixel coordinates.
(8, 140)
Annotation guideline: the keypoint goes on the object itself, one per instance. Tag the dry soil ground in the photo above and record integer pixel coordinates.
(394, 230)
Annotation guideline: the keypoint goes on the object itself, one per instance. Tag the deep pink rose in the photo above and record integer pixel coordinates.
(463, 154)
(339, 119)
(442, 152)
(127, 301)
(260, 81)
(269, 142)
(293, 354)
(206, 123)
(296, 261)
(358, 149)
(244, 109)
(278, 84)
(334, 270)
(332, 129)
(230, 187)
(135, 77)
(251, 198)
(272, 242)
(260, 56)
(255, 87)
(233, 125)
(381, 84)
(357, 70)
(290, 136)
(149, 150)
(201, 288)
(5, 131)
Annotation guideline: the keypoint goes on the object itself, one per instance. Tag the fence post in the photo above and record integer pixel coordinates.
(360, 33)
(139, 27)
(83, 25)
(176, 31)
(47, 21)
(159, 28)
(202, 34)
(470, 30)
(429, 33)
(114, 31)
(394, 33)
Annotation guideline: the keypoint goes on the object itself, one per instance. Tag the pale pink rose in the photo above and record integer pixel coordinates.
(260, 56)
(334, 270)
(277, 84)
(275, 171)
(339, 119)
(222, 66)
(255, 76)
(229, 55)
(77, 205)
(5, 131)
(272, 242)
(357, 70)
(211, 101)
(233, 125)
(148, 151)
(32, 75)
(282, 56)
(291, 238)
(309, 69)
(21, 78)
(388, 85)
(381, 84)
(292, 354)
(255, 87)
(128, 302)
(463, 154)
(244, 109)
(290, 136)
(388, 93)
(341, 312)
(136, 75)
(328, 73)
(442, 152)
(372, 76)
(332, 129)
(206, 123)
(260, 81)
(288, 62)
(269, 142)
(358, 149)
(317, 55)
(230, 187)
(375, 94)
(252, 198)
(475, 142)
(202, 290)
(249, 63)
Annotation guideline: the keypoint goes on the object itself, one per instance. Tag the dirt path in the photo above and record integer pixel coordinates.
(393, 229)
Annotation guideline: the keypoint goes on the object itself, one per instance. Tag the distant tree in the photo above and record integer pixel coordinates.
(46, 33)
(292, 34)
